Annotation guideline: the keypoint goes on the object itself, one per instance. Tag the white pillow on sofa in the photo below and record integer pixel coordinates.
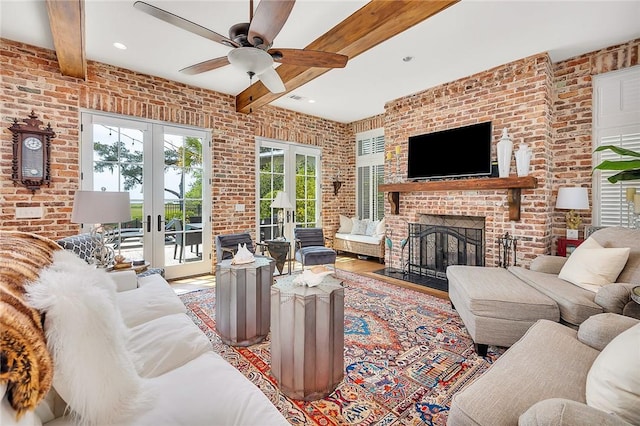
(613, 382)
(592, 266)
(359, 226)
(94, 372)
(381, 229)
(346, 225)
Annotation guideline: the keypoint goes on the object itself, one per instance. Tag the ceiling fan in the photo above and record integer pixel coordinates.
(251, 43)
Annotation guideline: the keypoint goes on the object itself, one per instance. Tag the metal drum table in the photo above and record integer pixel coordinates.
(243, 313)
(307, 337)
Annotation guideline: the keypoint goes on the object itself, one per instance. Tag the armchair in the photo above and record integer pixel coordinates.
(227, 245)
(310, 248)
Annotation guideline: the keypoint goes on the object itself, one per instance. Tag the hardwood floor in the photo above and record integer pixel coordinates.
(345, 262)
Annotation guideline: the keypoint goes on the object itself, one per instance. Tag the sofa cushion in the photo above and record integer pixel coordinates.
(613, 382)
(623, 237)
(94, 372)
(166, 343)
(153, 299)
(532, 370)
(576, 304)
(381, 229)
(208, 391)
(375, 239)
(591, 266)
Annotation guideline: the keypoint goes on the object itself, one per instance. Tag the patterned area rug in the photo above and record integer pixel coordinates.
(406, 354)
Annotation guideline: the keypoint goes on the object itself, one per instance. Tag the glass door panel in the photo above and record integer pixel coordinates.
(271, 180)
(306, 189)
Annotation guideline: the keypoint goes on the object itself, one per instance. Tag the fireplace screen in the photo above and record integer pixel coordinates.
(434, 247)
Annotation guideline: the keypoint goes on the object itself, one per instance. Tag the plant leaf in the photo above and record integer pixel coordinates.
(619, 165)
(618, 150)
(625, 175)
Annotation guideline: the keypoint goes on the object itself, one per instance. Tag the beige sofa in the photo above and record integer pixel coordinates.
(498, 306)
(542, 379)
(165, 371)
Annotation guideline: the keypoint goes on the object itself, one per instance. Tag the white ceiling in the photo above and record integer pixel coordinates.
(469, 37)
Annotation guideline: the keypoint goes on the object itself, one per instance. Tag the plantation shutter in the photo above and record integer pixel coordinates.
(370, 174)
(616, 122)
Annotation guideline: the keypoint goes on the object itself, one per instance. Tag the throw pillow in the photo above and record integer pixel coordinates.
(613, 382)
(346, 225)
(94, 372)
(591, 266)
(359, 227)
(371, 228)
(381, 229)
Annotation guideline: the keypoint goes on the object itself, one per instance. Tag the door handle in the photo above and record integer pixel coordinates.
(149, 223)
(160, 223)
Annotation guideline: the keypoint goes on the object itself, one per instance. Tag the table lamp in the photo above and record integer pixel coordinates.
(100, 208)
(281, 202)
(572, 199)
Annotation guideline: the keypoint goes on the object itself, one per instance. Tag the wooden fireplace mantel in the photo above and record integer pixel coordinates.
(513, 185)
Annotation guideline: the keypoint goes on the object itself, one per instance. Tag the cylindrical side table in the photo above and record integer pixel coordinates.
(243, 310)
(307, 337)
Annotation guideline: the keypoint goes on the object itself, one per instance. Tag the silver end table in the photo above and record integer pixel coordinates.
(243, 310)
(307, 337)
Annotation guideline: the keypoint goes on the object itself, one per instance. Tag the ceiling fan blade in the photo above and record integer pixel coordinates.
(272, 81)
(268, 20)
(185, 24)
(205, 66)
(309, 58)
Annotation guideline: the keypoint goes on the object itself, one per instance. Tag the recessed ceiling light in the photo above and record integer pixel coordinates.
(119, 46)
(407, 59)
(312, 101)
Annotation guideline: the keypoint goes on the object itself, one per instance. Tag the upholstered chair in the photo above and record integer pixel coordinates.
(310, 248)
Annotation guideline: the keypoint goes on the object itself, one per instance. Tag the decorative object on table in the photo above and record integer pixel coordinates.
(120, 262)
(523, 159)
(312, 277)
(635, 294)
(243, 255)
(630, 198)
(31, 163)
(282, 203)
(572, 199)
(504, 149)
(506, 245)
(101, 209)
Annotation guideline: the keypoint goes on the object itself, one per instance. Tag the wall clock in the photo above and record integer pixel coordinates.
(31, 165)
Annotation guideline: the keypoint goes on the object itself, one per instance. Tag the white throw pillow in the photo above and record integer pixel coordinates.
(371, 228)
(613, 382)
(346, 225)
(359, 227)
(381, 229)
(591, 266)
(94, 372)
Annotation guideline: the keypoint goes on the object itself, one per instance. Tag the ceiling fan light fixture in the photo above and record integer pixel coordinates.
(250, 60)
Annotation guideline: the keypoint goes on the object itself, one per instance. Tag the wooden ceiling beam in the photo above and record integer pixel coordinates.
(66, 19)
(375, 22)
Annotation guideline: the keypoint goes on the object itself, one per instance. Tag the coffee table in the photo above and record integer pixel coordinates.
(307, 337)
(243, 309)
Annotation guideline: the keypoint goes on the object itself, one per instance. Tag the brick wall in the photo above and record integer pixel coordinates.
(31, 80)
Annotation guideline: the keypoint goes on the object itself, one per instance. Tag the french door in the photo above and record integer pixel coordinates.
(294, 169)
(164, 169)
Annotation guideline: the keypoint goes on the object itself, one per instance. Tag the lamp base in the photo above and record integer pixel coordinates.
(572, 234)
(103, 255)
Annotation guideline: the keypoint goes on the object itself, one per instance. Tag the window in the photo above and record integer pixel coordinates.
(370, 174)
(616, 122)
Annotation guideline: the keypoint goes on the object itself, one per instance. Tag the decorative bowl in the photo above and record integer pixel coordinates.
(635, 294)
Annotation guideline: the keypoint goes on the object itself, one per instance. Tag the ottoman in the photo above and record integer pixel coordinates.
(496, 307)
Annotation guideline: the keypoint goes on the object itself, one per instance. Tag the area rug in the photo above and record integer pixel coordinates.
(406, 354)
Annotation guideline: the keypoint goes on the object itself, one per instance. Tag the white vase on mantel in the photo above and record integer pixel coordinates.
(505, 149)
(523, 159)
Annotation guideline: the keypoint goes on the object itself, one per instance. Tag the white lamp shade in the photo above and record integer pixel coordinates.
(573, 198)
(101, 207)
(281, 201)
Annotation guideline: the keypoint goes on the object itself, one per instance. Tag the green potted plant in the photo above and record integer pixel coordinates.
(628, 169)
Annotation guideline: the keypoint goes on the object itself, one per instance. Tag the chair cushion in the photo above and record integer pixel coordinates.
(316, 255)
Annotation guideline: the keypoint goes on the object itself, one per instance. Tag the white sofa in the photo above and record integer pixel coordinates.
(363, 237)
(183, 381)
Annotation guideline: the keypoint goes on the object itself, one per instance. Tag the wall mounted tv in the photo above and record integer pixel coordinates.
(467, 152)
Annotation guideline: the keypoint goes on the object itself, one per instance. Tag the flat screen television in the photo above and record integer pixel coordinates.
(468, 153)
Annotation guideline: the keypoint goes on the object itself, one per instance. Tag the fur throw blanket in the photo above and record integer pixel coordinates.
(25, 363)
